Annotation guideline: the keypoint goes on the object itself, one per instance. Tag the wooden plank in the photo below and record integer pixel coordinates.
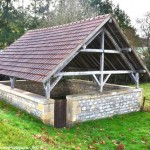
(100, 51)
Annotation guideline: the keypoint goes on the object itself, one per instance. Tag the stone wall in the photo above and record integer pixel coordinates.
(64, 87)
(90, 107)
(34, 104)
(80, 107)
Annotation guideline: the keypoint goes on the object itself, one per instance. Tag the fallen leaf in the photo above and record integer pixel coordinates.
(144, 139)
(120, 147)
(143, 142)
(103, 142)
(38, 136)
(91, 147)
(122, 135)
(94, 141)
(46, 139)
(115, 142)
(78, 148)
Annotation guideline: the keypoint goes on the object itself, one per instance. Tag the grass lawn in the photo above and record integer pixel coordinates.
(146, 88)
(18, 128)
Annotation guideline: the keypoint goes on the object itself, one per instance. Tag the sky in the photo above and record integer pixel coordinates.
(134, 9)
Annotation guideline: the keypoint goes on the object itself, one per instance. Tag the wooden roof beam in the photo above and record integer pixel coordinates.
(97, 72)
(100, 51)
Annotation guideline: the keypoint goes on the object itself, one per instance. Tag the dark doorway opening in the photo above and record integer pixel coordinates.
(60, 113)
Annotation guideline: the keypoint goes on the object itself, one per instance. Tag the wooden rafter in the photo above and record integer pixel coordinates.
(119, 49)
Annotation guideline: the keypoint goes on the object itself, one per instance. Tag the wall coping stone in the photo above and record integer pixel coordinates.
(77, 97)
(27, 95)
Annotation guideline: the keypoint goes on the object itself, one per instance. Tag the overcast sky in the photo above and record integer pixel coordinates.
(134, 8)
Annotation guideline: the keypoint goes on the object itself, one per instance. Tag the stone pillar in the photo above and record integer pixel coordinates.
(72, 110)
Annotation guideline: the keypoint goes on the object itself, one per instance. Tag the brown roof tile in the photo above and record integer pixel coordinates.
(38, 52)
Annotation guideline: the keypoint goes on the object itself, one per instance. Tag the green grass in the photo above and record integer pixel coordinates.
(146, 89)
(18, 128)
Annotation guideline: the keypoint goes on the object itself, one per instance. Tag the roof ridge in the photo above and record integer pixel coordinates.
(71, 23)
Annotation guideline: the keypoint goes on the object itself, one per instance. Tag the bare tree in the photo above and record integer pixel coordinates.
(67, 11)
(145, 30)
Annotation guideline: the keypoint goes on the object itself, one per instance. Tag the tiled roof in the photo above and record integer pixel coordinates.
(40, 51)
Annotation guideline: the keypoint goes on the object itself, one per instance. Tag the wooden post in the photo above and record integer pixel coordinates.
(12, 82)
(102, 62)
(137, 80)
(47, 89)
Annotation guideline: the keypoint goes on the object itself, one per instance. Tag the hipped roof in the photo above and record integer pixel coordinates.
(40, 53)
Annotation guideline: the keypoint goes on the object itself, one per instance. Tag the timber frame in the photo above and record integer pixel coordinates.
(134, 74)
(104, 41)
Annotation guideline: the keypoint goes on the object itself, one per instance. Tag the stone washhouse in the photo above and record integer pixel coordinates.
(42, 63)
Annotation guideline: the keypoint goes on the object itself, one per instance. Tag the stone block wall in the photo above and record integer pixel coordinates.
(64, 87)
(80, 107)
(34, 104)
(90, 107)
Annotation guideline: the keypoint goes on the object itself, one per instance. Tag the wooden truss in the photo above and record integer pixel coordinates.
(104, 75)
